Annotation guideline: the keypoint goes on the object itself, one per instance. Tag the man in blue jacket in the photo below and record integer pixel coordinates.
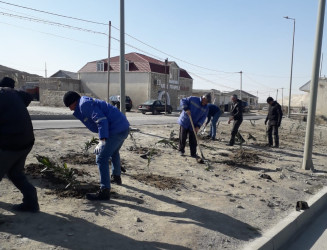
(112, 126)
(197, 108)
(214, 114)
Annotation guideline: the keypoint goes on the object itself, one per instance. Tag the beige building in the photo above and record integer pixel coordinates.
(146, 78)
(321, 97)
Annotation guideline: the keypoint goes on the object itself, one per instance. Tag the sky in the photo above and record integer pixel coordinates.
(211, 39)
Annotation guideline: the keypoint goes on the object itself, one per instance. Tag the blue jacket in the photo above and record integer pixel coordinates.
(213, 110)
(198, 112)
(100, 117)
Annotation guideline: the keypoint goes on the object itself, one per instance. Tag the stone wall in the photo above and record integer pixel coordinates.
(52, 90)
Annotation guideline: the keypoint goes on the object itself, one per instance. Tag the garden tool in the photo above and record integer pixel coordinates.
(202, 159)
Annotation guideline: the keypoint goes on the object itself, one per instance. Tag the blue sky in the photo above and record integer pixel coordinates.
(223, 35)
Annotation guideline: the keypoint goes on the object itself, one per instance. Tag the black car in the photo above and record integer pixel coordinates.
(115, 101)
(155, 107)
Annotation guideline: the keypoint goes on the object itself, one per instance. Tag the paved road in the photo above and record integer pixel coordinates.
(314, 237)
(135, 119)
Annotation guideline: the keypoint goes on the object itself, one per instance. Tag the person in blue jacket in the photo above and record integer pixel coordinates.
(198, 109)
(214, 114)
(112, 126)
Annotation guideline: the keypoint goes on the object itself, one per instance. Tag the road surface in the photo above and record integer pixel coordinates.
(314, 236)
(135, 119)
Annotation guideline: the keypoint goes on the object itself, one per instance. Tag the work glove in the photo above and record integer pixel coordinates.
(98, 149)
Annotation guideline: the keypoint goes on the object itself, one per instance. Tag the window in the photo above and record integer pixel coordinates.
(100, 66)
(173, 74)
(126, 65)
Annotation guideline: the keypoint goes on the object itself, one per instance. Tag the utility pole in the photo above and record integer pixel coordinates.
(122, 57)
(282, 98)
(45, 70)
(307, 155)
(166, 85)
(291, 77)
(322, 59)
(241, 72)
(109, 47)
(277, 95)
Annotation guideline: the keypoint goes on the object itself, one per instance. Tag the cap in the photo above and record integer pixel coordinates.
(70, 97)
(270, 99)
(7, 82)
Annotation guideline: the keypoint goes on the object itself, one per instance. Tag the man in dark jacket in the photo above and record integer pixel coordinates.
(112, 126)
(197, 108)
(214, 114)
(236, 115)
(275, 115)
(16, 141)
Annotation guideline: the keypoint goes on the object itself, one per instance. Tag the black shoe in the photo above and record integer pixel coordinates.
(181, 153)
(230, 144)
(269, 145)
(102, 194)
(115, 179)
(276, 146)
(23, 207)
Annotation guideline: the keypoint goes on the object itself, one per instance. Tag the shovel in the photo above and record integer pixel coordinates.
(199, 160)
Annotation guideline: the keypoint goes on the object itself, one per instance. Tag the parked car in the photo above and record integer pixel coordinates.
(115, 101)
(155, 107)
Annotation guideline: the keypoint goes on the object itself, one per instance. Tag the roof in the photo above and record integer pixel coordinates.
(7, 70)
(237, 92)
(137, 63)
(65, 74)
(306, 86)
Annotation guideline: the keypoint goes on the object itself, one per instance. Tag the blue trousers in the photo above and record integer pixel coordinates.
(213, 127)
(111, 149)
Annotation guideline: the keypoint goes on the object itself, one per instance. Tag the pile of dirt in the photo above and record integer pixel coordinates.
(79, 159)
(58, 185)
(158, 181)
(246, 156)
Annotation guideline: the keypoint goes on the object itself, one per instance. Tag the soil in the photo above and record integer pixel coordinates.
(78, 159)
(158, 181)
(172, 203)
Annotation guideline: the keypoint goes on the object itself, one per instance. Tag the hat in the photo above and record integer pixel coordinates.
(7, 82)
(70, 97)
(208, 97)
(270, 99)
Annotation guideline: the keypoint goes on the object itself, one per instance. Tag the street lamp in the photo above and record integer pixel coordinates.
(289, 97)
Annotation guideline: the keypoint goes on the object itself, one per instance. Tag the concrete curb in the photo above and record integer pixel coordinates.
(53, 117)
(289, 228)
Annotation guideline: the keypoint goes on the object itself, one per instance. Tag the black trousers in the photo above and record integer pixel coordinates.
(183, 132)
(12, 163)
(236, 126)
(273, 130)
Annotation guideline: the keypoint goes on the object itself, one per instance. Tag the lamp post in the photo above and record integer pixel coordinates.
(290, 93)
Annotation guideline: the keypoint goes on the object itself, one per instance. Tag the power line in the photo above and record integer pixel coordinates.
(51, 23)
(94, 22)
(54, 14)
(51, 34)
(207, 80)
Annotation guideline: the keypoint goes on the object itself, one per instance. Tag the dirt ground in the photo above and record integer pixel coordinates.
(167, 201)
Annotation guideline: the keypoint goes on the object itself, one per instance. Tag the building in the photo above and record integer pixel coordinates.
(321, 96)
(23, 80)
(222, 99)
(65, 74)
(146, 78)
(252, 100)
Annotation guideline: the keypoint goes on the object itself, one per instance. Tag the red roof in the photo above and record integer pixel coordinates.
(137, 62)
